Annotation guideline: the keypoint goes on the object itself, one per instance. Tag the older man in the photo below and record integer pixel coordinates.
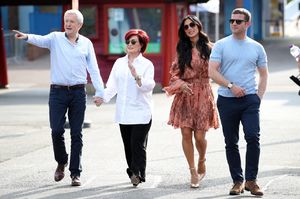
(71, 56)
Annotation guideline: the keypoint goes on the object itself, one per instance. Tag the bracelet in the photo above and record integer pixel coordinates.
(137, 78)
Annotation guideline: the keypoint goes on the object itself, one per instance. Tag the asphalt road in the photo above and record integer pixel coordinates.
(27, 163)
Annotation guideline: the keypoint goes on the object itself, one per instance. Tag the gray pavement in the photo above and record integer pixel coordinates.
(27, 163)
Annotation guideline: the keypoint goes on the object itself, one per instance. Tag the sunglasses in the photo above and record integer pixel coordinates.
(192, 25)
(133, 42)
(237, 21)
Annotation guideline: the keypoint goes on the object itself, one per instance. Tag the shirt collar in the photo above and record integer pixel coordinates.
(76, 38)
(138, 58)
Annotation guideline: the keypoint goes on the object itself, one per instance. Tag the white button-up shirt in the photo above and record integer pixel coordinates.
(70, 62)
(134, 103)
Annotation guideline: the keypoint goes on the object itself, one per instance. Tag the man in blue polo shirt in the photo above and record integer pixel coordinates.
(71, 56)
(233, 63)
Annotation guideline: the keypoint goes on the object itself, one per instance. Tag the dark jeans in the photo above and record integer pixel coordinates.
(233, 111)
(62, 101)
(135, 139)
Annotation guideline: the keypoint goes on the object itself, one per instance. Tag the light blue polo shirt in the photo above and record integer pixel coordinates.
(239, 60)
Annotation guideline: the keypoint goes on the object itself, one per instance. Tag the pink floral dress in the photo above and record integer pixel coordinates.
(197, 111)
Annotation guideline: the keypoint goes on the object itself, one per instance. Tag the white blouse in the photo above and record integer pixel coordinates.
(134, 103)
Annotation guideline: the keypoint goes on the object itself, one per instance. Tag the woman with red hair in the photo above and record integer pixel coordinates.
(132, 80)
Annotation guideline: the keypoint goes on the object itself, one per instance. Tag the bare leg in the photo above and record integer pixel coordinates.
(188, 149)
(201, 145)
(188, 146)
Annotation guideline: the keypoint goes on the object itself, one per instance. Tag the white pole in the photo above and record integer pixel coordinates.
(197, 11)
(75, 4)
(217, 31)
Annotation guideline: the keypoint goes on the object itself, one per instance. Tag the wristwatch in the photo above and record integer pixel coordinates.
(230, 85)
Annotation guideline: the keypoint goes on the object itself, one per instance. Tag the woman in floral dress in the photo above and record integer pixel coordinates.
(193, 109)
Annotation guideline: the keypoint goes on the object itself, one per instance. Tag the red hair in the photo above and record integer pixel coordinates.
(142, 35)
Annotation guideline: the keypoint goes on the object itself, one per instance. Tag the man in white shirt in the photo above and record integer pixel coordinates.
(71, 55)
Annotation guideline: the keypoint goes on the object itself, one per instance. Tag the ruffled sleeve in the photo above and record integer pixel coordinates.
(175, 81)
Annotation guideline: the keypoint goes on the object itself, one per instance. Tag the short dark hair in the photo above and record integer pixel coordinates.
(141, 34)
(244, 12)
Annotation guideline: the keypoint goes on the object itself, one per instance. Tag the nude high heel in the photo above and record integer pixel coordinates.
(201, 168)
(194, 178)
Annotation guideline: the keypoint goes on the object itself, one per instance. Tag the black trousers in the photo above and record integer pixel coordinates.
(135, 137)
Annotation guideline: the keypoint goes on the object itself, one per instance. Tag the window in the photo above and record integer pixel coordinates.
(48, 9)
(120, 20)
(89, 28)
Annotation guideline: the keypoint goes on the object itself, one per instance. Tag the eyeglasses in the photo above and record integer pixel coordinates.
(133, 42)
(192, 25)
(237, 21)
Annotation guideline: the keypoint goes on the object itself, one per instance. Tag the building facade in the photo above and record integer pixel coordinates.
(106, 22)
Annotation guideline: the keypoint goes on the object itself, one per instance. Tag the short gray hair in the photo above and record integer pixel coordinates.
(77, 13)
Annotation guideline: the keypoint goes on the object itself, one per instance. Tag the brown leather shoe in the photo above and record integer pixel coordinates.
(60, 172)
(254, 189)
(237, 188)
(75, 181)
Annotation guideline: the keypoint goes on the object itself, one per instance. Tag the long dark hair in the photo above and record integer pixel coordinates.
(184, 45)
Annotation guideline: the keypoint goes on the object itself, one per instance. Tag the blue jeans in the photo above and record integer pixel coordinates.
(233, 111)
(72, 102)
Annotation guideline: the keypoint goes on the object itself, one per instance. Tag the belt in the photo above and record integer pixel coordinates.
(74, 87)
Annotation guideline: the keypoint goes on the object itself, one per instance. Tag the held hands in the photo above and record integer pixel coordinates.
(97, 100)
(20, 35)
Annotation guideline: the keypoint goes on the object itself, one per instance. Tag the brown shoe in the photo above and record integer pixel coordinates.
(254, 189)
(75, 181)
(237, 188)
(60, 172)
